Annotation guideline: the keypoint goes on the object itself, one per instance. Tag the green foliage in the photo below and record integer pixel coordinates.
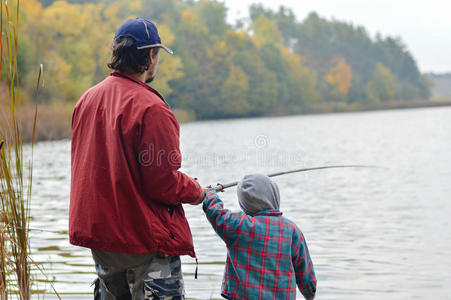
(382, 86)
(234, 93)
(266, 32)
(212, 15)
(272, 63)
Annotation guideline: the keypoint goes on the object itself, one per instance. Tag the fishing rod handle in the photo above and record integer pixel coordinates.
(218, 188)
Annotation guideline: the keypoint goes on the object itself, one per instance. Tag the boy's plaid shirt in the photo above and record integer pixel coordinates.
(267, 255)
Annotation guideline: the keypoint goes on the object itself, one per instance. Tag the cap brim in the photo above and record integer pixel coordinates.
(168, 50)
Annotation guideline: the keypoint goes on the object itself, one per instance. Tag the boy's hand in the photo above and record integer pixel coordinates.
(201, 197)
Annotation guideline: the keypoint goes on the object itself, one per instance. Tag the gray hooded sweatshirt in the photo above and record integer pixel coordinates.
(257, 192)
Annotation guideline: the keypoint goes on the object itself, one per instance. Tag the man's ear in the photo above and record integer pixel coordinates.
(151, 56)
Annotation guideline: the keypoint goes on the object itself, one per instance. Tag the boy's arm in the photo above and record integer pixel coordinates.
(303, 266)
(223, 221)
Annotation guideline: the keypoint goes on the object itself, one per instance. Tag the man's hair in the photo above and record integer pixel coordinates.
(126, 58)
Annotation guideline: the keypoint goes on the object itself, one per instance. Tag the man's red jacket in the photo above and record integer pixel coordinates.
(126, 189)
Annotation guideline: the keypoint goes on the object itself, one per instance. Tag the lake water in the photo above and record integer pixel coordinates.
(372, 233)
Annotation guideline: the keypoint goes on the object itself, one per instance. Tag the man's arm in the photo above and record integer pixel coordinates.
(303, 266)
(159, 159)
(223, 221)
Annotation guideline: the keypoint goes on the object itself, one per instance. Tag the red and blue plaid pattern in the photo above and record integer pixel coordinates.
(267, 255)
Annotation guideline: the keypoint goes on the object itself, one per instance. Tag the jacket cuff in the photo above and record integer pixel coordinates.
(197, 189)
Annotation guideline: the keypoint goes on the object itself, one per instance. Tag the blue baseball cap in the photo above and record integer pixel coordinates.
(143, 32)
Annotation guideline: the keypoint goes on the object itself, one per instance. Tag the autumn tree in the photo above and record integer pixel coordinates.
(273, 61)
(234, 93)
(262, 81)
(212, 15)
(382, 86)
(300, 82)
(199, 88)
(266, 32)
(339, 78)
(170, 67)
(284, 18)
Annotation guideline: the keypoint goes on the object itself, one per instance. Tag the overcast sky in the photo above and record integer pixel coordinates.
(423, 25)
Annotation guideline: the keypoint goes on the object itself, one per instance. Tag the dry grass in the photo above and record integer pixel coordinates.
(53, 121)
(15, 177)
(183, 115)
(15, 172)
(441, 100)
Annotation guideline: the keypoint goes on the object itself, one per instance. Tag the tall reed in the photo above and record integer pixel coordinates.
(15, 171)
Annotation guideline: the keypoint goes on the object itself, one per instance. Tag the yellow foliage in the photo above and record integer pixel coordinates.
(234, 92)
(32, 10)
(59, 78)
(382, 86)
(219, 52)
(166, 35)
(304, 79)
(135, 5)
(170, 67)
(241, 34)
(340, 77)
(111, 12)
(189, 16)
(294, 59)
(118, 12)
(266, 32)
(64, 19)
(83, 41)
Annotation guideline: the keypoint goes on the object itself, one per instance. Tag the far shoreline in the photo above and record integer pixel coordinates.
(335, 108)
(54, 120)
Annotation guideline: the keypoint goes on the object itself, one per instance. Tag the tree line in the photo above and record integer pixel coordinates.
(271, 63)
(441, 85)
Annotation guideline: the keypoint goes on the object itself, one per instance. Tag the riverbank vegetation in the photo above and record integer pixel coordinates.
(269, 64)
(16, 167)
(15, 172)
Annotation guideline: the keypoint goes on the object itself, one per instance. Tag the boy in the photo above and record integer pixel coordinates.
(267, 255)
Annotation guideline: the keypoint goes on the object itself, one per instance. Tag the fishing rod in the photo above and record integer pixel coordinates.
(220, 187)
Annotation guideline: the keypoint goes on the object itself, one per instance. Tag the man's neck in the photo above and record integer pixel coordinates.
(140, 76)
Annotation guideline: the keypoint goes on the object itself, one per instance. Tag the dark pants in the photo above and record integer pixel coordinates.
(159, 278)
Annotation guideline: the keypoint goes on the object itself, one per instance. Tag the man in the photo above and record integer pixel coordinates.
(126, 190)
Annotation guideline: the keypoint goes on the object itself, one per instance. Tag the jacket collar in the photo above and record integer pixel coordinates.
(269, 212)
(117, 73)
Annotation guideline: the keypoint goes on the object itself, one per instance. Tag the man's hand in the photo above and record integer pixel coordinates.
(201, 197)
